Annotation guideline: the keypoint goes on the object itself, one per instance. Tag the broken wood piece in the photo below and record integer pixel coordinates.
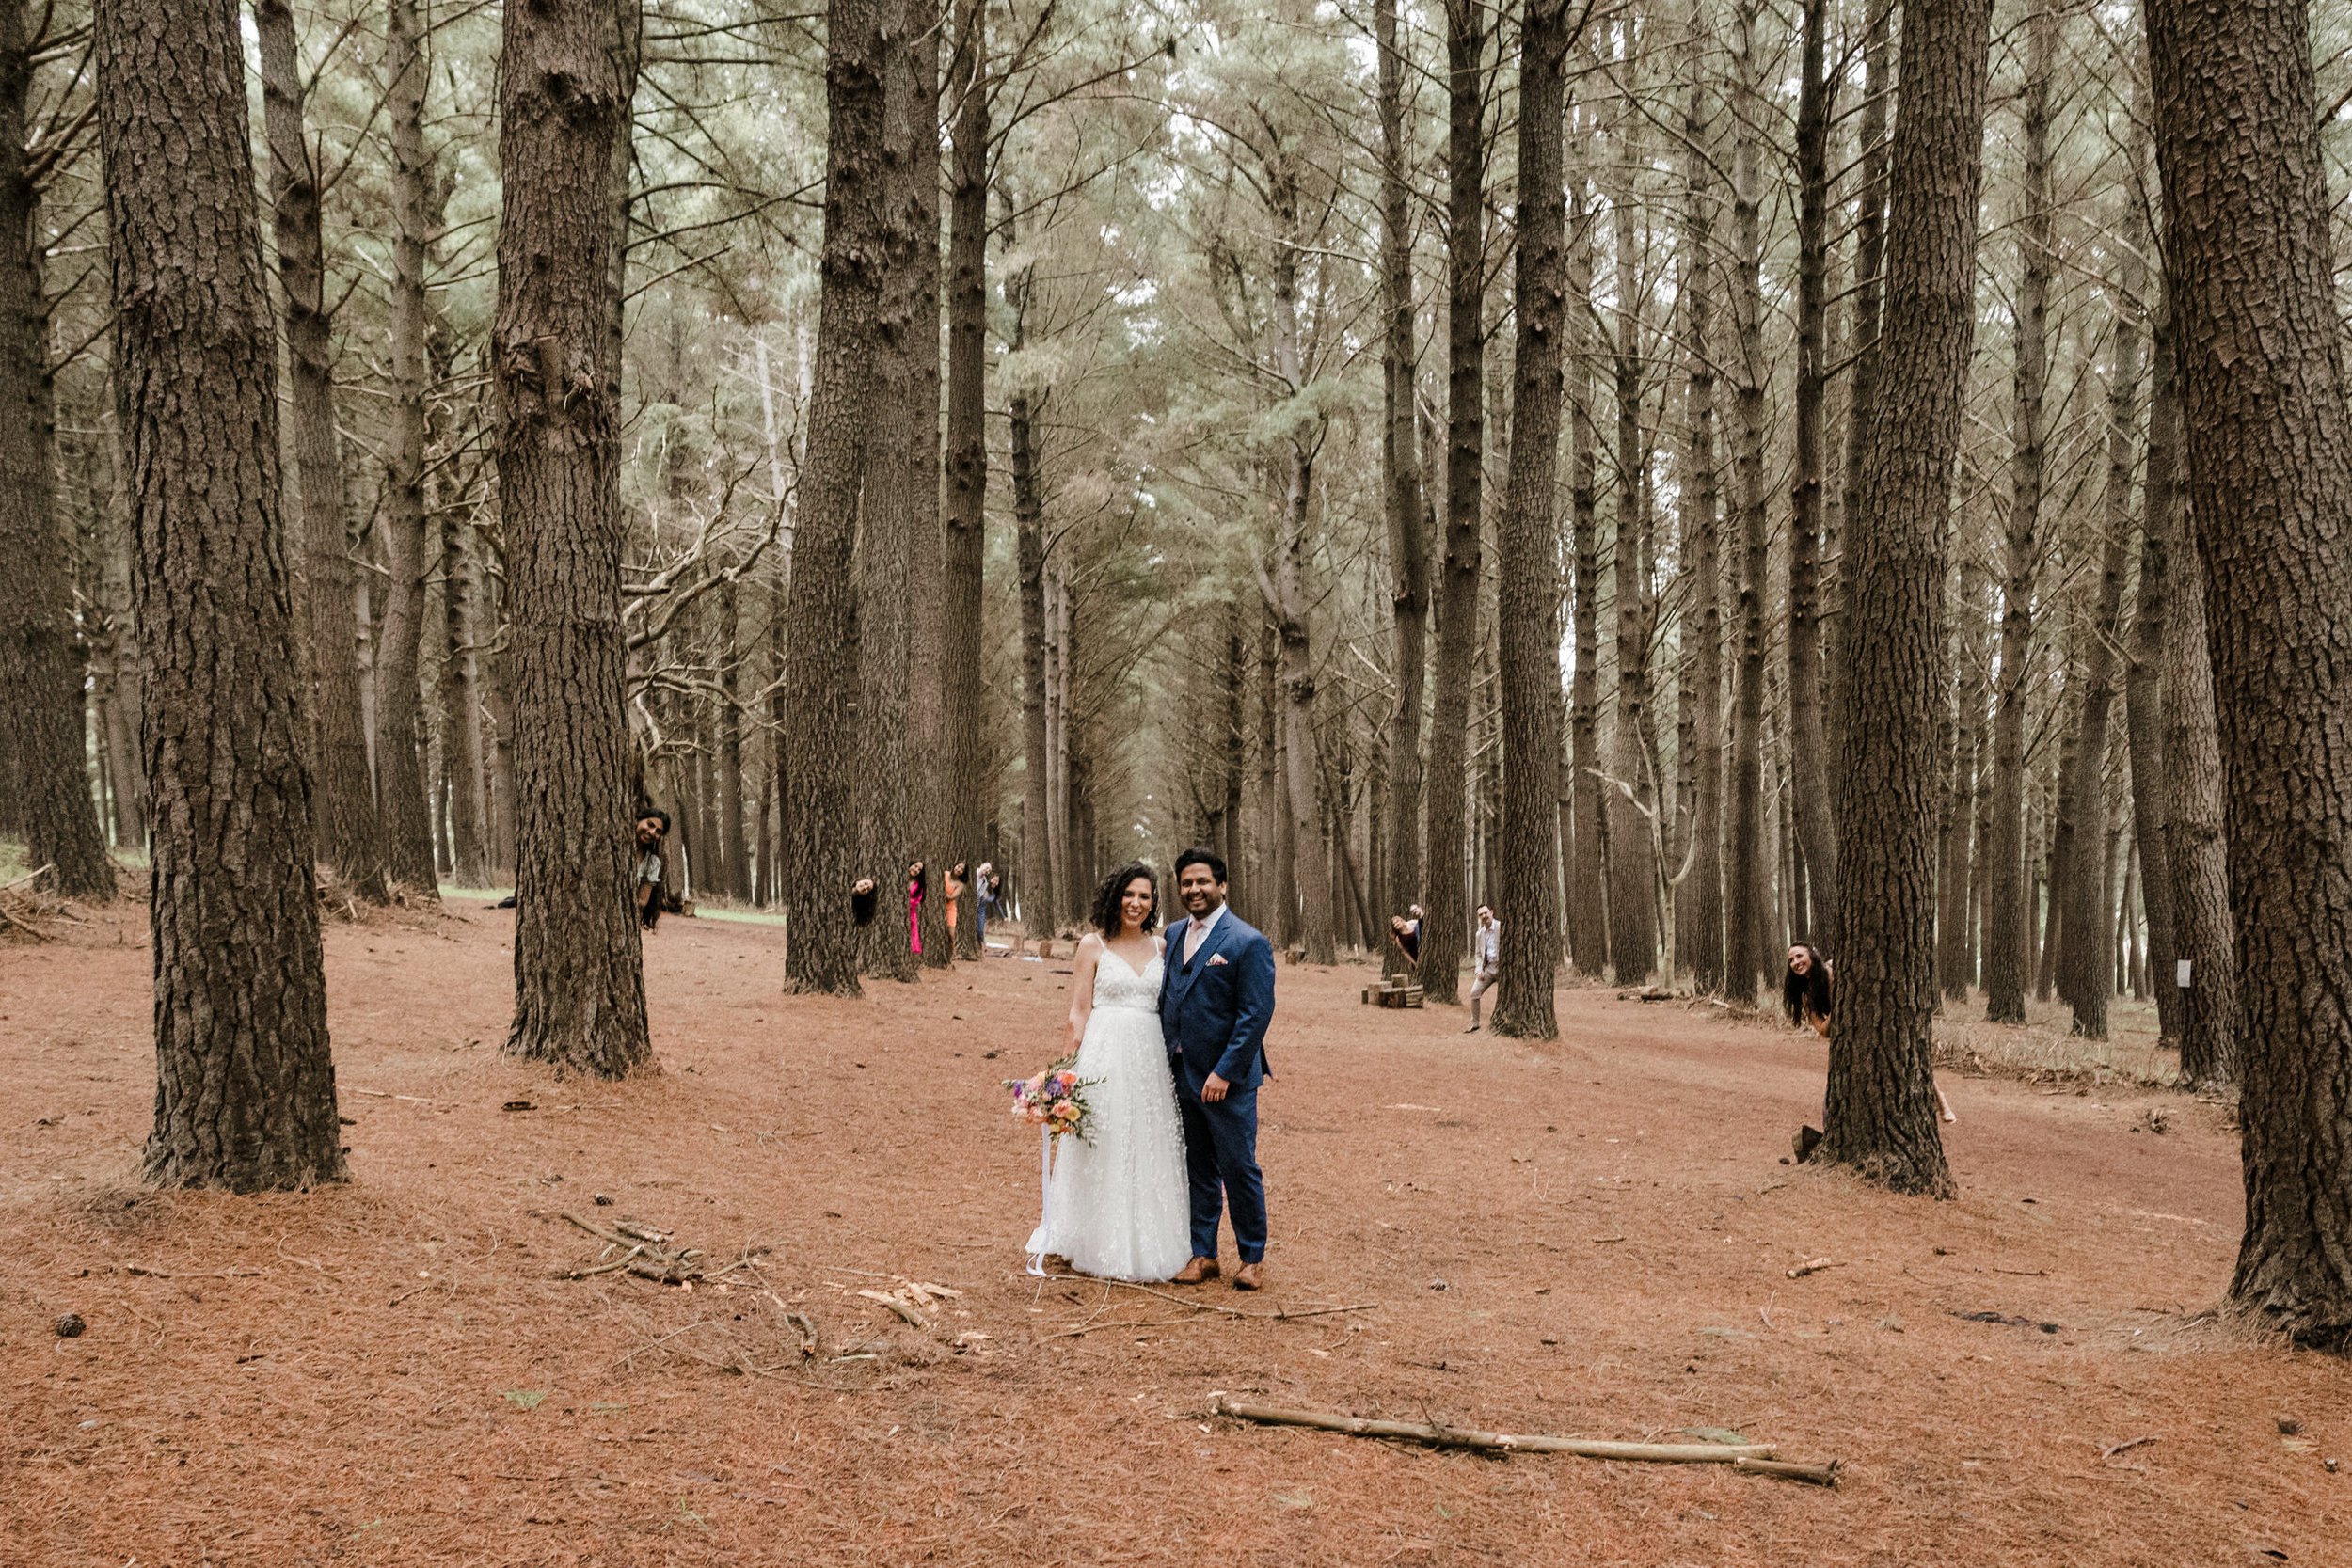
(1814, 1475)
(903, 1309)
(1811, 1265)
(1491, 1442)
(2114, 1449)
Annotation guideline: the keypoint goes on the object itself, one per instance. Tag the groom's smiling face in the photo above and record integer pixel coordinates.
(1199, 889)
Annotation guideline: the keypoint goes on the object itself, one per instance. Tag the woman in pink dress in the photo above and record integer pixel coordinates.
(916, 880)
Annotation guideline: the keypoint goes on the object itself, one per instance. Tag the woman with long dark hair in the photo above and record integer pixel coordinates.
(1116, 1203)
(1808, 993)
(918, 883)
(1804, 989)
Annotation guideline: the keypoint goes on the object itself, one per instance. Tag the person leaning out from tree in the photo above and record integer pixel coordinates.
(653, 827)
(1486, 960)
(1808, 993)
(864, 898)
(1405, 930)
(918, 883)
(959, 878)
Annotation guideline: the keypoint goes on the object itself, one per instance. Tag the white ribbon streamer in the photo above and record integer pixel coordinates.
(1045, 1196)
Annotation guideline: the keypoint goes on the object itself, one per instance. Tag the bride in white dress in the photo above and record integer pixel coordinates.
(1117, 1204)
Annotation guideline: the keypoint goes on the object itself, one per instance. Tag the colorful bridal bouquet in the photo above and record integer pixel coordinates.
(1055, 1100)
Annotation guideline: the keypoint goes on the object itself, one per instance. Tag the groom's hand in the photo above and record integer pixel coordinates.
(1213, 1088)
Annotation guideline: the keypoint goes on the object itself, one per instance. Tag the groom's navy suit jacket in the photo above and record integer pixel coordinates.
(1214, 1010)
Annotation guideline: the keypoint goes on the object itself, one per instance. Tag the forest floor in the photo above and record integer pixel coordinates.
(1588, 1237)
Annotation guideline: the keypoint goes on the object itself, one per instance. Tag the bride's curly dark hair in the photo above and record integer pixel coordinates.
(1107, 916)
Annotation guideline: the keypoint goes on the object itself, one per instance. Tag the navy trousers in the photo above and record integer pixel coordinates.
(1221, 1163)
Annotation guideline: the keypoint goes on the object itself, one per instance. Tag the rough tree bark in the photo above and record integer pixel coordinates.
(2008, 915)
(820, 837)
(1699, 919)
(1038, 900)
(1748, 915)
(1808, 760)
(1409, 544)
(2269, 447)
(567, 71)
(966, 544)
(245, 1087)
(43, 763)
(349, 838)
(2144, 682)
(2204, 934)
(1588, 896)
(1632, 861)
(2090, 954)
(1445, 928)
(1289, 592)
(1870, 259)
(1527, 616)
(1879, 1113)
(917, 78)
(900, 490)
(461, 717)
(401, 790)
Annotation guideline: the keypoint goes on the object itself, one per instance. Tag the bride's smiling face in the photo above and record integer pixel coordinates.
(1135, 905)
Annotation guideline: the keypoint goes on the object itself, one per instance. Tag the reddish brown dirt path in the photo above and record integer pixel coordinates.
(1587, 1238)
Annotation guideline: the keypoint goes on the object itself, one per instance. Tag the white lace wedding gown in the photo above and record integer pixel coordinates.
(1117, 1204)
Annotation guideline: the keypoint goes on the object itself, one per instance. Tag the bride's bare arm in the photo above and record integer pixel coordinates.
(1082, 988)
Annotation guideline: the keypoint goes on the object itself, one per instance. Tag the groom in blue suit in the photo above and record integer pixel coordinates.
(1217, 995)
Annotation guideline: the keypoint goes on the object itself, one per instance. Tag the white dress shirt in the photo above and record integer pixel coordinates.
(1197, 930)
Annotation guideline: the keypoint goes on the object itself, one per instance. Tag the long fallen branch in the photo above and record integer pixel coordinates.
(1501, 1442)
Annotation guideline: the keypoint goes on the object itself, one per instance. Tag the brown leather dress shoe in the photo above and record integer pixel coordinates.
(1195, 1271)
(1246, 1278)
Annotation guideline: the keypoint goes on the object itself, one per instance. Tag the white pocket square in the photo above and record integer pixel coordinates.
(1215, 959)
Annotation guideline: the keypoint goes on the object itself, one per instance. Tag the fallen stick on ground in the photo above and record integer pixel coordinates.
(1494, 1442)
(1811, 1265)
(1814, 1475)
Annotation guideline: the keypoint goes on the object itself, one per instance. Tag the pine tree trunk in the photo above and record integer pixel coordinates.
(1880, 1114)
(2204, 927)
(2008, 924)
(1870, 261)
(1588, 896)
(245, 1087)
(348, 836)
(1527, 615)
(1748, 878)
(1293, 593)
(2143, 690)
(1445, 930)
(1952, 921)
(962, 632)
(461, 715)
(2089, 956)
(44, 764)
(1699, 920)
(568, 70)
(401, 790)
(916, 128)
(820, 831)
(2270, 495)
(733, 846)
(2204, 933)
(1633, 864)
(1808, 744)
(1038, 901)
(1408, 545)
